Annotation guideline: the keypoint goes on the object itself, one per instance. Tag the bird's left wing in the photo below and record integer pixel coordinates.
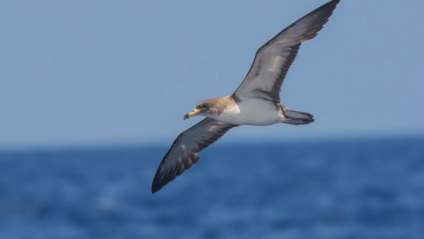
(184, 152)
(273, 60)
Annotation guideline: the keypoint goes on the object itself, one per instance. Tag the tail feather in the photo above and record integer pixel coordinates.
(297, 117)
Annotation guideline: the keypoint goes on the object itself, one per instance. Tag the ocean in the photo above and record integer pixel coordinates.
(370, 188)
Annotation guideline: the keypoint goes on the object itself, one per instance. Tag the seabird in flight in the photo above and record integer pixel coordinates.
(255, 102)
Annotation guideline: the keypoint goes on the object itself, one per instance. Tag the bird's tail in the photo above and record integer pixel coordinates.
(297, 117)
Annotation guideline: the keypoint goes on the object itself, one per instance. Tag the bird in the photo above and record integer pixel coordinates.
(255, 102)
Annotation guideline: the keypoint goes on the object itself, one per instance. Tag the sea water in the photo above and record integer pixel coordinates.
(331, 189)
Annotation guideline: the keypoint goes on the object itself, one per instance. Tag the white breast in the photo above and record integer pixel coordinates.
(251, 112)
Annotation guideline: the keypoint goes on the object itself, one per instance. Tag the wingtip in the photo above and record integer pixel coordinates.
(334, 2)
(331, 4)
(154, 189)
(156, 184)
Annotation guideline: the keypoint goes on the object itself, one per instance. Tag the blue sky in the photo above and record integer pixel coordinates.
(76, 73)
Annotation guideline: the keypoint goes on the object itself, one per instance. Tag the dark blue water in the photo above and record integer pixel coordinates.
(333, 189)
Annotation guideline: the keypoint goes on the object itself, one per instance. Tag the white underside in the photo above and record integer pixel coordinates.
(252, 112)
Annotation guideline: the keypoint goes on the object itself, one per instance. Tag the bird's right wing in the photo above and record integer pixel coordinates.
(273, 60)
(184, 152)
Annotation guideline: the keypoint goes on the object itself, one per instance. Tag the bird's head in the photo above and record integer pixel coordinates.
(205, 108)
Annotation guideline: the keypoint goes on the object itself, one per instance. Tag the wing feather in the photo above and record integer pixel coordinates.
(184, 152)
(273, 60)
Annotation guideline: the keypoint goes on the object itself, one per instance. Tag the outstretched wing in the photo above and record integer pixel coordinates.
(184, 152)
(273, 60)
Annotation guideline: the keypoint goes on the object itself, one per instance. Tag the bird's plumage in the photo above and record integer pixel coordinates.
(256, 101)
(184, 151)
(273, 60)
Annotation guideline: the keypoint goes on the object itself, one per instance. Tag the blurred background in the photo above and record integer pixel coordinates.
(92, 94)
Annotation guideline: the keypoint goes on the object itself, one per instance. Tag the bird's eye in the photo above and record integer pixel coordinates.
(202, 106)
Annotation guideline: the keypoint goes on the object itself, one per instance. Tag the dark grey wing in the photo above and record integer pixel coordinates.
(273, 60)
(184, 152)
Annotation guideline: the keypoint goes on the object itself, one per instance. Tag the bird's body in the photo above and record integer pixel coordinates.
(253, 112)
(250, 111)
(255, 102)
